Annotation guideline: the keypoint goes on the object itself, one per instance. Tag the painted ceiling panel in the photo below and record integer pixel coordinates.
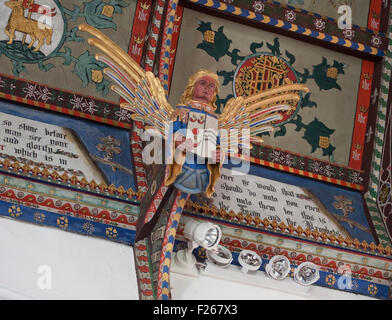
(63, 60)
(323, 126)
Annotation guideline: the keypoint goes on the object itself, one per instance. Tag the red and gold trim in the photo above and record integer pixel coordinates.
(361, 116)
(75, 209)
(152, 42)
(163, 289)
(374, 19)
(137, 157)
(143, 270)
(139, 30)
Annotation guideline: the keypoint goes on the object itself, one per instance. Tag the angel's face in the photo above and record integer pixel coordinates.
(204, 89)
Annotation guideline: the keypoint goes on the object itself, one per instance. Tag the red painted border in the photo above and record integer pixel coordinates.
(139, 30)
(361, 116)
(10, 195)
(364, 94)
(146, 291)
(374, 19)
(153, 36)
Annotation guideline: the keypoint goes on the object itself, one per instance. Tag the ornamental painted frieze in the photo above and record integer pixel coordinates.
(322, 16)
(313, 167)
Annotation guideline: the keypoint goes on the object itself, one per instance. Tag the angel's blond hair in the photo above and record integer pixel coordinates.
(186, 97)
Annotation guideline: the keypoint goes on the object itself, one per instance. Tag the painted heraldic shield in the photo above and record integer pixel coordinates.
(202, 129)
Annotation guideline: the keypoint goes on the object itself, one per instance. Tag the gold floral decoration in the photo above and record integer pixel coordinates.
(372, 289)
(330, 280)
(14, 211)
(62, 222)
(111, 232)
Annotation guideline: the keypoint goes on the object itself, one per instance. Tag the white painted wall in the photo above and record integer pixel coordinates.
(82, 267)
(90, 268)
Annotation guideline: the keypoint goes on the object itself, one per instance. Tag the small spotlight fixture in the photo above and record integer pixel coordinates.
(278, 268)
(204, 234)
(249, 260)
(220, 256)
(306, 274)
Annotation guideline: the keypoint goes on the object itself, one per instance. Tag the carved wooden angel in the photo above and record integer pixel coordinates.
(193, 123)
(191, 126)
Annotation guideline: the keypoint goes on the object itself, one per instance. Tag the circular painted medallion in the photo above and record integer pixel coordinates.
(31, 30)
(264, 71)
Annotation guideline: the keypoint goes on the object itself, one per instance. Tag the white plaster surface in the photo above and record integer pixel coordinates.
(90, 268)
(81, 267)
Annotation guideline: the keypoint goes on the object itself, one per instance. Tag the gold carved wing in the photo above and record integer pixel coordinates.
(244, 118)
(143, 93)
